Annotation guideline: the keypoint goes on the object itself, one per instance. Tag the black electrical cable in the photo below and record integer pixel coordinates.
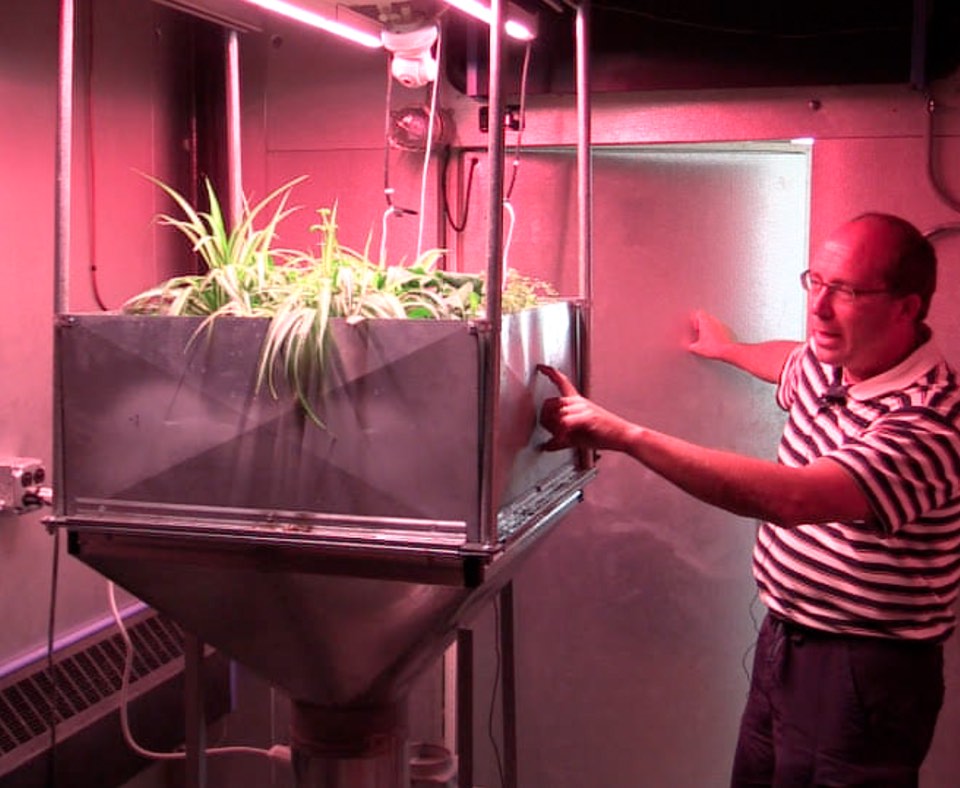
(53, 695)
(91, 160)
(493, 692)
(458, 225)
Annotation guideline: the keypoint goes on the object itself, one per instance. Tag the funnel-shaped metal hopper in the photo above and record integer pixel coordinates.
(337, 562)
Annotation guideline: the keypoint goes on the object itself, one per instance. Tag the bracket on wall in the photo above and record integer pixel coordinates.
(511, 118)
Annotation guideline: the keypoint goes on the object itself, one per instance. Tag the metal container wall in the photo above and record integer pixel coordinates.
(337, 561)
(164, 423)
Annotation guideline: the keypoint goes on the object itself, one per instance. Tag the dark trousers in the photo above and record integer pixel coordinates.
(828, 710)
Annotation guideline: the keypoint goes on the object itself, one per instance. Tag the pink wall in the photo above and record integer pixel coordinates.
(313, 105)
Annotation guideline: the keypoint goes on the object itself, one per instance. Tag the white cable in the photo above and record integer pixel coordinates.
(388, 190)
(383, 233)
(429, 148)
(506, 242)
(507, 205)
(522, 120)
(276, 752)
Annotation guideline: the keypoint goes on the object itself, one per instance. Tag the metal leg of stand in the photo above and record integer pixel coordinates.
(464, 708)
(509, 691)
(196, 723)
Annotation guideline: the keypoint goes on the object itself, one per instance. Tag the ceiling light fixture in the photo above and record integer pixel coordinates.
(342, 21)
(520, 25)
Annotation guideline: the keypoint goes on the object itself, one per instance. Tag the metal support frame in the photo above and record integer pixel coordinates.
(61, 219)
(464, 736)
(495, 276)
(584, 183)
(195, 722)
(195, 713)
(234, 158)
(64, 157)
(196, 775)
(196, 767)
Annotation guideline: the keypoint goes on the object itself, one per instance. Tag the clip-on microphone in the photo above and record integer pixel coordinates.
(836, 393)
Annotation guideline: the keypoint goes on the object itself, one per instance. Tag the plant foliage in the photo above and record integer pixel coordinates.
(249, 274)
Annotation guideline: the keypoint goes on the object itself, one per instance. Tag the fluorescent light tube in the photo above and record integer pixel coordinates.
(344, 23)
(520, 25)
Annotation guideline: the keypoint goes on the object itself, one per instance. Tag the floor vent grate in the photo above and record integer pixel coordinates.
(88, 678)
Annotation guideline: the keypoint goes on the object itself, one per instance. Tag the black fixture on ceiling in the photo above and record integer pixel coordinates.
(639, 45)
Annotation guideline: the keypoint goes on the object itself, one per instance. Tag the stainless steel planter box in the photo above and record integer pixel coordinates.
(159, 432)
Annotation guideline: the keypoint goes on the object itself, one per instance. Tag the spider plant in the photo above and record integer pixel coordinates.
(247, 274)
(339, 281)
(240, 263)
(524, 292)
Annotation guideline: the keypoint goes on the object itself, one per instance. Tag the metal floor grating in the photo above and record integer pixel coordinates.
(88, 677)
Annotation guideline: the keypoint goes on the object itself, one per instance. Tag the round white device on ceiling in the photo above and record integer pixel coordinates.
(413, 64)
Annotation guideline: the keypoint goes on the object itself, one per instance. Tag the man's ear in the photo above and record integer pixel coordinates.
(911, 304)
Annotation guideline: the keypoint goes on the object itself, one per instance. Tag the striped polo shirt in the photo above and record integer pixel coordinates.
(898, 434)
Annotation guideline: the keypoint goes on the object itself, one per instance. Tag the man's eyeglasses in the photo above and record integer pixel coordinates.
(813, 284)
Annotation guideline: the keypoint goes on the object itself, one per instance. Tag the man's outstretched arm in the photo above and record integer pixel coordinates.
(822, 491)
(713, 339)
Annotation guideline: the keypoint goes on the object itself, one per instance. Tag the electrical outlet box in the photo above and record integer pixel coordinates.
(511, 118)
(20, 482)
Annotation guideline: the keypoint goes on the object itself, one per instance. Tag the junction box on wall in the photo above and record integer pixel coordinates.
(21, 484)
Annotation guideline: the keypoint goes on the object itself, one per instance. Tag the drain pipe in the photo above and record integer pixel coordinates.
(350, 747)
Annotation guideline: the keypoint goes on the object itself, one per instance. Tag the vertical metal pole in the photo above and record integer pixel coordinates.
(64, 158)
(584, 182)
(509, 689)
(196, 722)
(495, 274)
(495, 156)
(61, 217)
(449, 702)
(465, 708)
(234, 158)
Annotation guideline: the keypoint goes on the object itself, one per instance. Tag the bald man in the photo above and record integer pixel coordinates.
(857, 556)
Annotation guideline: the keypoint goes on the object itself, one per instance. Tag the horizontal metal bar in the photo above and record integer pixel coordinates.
(264, 520)
(98, 542)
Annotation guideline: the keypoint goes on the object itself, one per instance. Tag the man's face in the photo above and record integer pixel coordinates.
(872, 332)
